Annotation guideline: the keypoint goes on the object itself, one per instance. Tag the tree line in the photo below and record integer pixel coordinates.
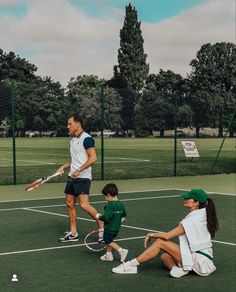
(133, 99)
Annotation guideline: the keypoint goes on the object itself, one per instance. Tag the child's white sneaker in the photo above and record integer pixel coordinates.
(107, 257)
(177, 272)
(123, 255)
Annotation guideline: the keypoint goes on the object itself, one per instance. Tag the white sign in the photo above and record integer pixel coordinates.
(190, 149)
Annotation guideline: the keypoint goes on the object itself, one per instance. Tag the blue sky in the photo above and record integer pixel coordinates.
(18, 10)
(148, 10)
(65, 38)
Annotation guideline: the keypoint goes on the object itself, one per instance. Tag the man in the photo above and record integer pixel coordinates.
(83, 156)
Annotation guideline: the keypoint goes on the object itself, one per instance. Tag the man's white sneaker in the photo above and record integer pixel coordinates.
(107, 257)
(125, 268)
(69, 237)
(123, 255)
(177, 272)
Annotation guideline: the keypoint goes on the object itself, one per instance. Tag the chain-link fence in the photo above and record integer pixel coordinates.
(132, 138)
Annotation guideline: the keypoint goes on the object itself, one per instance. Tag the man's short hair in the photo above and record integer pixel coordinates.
(77, 118)
(110, 189)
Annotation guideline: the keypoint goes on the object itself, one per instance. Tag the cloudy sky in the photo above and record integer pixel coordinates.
(66, 38)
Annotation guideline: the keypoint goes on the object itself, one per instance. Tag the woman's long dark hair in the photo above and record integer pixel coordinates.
(212, 220)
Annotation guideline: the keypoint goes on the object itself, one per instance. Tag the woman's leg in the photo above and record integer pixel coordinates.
(152, 251)
(168, 261)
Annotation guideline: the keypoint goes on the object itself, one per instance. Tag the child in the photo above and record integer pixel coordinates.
(114, 215)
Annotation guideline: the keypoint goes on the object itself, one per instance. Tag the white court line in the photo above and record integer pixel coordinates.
(127, 192)
(82, 244)
(60, 247)
(96, 202)
(91, 195)
(126, 226)
(64, 155)
(31, 163)
(85, 219)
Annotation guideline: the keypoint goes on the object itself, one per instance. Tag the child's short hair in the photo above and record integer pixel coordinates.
(110, 189)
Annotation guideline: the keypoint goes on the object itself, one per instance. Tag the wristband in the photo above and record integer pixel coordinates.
(98, 215)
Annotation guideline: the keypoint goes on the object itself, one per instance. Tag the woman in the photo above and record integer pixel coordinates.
(194, 251)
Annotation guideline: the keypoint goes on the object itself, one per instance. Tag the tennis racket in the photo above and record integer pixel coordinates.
(38, 182)
(91, 241)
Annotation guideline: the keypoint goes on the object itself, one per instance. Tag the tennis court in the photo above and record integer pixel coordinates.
(29, 246)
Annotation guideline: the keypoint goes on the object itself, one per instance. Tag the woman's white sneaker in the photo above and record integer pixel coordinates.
(125, 268)
(177, 272)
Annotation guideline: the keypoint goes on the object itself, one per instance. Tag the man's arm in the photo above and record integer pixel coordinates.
(64, 167)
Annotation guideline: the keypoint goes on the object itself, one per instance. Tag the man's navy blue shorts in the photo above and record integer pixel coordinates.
(78, 186)
(108, 237)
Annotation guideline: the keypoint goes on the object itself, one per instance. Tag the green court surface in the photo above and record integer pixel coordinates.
(30, 228)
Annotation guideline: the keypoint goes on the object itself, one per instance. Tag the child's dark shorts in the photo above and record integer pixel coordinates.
(108, 237)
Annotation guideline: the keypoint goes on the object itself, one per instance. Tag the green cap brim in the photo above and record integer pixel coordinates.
(185, 196)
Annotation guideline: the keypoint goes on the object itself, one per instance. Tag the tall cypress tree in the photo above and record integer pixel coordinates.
(132, 70)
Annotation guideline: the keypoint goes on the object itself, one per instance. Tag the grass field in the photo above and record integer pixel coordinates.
(29, 247)
(124, 158)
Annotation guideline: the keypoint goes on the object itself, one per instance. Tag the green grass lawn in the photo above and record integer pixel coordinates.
(124, 158)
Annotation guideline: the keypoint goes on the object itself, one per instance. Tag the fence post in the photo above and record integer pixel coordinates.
(13, 100)
(175, 136)
(222, 143)
(102, 129)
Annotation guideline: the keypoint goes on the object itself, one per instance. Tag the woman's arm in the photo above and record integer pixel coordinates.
(179, 230)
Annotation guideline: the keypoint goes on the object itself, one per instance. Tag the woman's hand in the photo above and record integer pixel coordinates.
(147, 239)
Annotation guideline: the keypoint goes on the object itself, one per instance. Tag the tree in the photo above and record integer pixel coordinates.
(132, 70)
(213, 85)
(40, 106)
(157, 107)
(84, 94)
(15, 68)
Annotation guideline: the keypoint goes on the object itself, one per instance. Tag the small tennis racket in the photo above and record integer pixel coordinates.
(91, 241)
(40, 181)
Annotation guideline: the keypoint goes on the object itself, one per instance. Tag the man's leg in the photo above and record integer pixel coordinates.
(85, 205)
(70, 203)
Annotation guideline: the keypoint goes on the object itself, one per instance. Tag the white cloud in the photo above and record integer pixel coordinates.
(66, 42)
(173, 43)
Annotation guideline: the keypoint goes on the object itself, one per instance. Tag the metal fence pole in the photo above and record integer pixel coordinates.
(217, 156)
(13, 100)
(102, 130)
(175, 137)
